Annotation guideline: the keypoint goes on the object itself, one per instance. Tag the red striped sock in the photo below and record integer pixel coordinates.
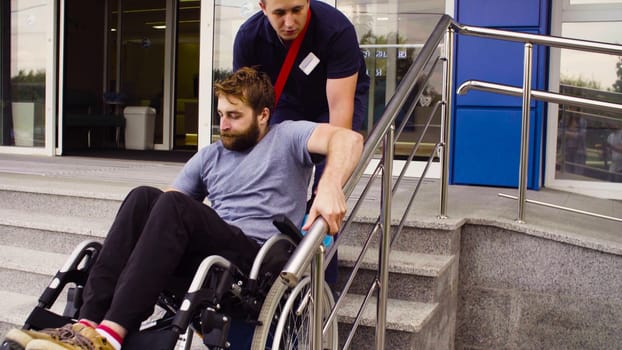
(113, 337)
(86, 323)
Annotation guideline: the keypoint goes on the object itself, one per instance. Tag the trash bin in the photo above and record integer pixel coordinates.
(139, 127)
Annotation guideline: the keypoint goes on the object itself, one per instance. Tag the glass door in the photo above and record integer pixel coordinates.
(585, 146)
(186, 105)
(26, 72)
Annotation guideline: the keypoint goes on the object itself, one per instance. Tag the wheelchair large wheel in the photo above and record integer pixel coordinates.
(282, 327)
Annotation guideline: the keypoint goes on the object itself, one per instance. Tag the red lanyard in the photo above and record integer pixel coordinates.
(289, 61)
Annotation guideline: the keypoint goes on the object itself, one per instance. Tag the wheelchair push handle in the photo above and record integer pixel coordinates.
(287, 227)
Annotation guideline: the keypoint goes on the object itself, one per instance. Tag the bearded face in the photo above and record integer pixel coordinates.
(243, 139)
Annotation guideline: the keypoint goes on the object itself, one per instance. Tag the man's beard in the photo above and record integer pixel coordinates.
(241, 141)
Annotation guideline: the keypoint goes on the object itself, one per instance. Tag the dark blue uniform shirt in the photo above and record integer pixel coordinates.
(331, 37)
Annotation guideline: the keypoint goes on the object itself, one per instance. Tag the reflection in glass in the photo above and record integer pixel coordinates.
(391, 36)
(139, 55)
(187, 75)
(228, 17)
(23, 123)
(588, 139)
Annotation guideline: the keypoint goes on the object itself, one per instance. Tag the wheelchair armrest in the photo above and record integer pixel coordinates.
(287, 227)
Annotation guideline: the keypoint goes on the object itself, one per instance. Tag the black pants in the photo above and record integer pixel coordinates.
(156, 237)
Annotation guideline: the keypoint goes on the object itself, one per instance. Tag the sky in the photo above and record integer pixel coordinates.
(591, 66)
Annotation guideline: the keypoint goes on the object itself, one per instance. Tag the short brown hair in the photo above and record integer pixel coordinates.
(250, 86)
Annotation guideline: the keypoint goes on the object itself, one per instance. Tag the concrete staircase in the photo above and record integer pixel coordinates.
(41, 224)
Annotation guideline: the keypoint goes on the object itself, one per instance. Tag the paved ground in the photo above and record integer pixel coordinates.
(113, 178)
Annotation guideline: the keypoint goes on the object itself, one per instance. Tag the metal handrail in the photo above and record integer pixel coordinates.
(301, 258)
(311, 243)
(546, 96)
(445, 29)
(546, 40)
(527, 93)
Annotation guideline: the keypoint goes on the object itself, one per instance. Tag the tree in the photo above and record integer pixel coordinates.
(617, 86)
(28, 86)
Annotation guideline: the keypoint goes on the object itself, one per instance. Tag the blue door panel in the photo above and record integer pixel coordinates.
(499, 13)
(492, 160)
(493, 61)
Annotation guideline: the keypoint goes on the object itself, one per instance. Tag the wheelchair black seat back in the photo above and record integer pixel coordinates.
(219, 296)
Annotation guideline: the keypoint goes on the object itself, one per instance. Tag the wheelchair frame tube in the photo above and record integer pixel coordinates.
(263, 251)
(206, 265)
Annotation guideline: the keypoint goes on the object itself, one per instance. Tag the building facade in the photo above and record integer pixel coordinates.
(71, 67)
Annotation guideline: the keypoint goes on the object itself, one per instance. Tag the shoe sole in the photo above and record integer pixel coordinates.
(40, 344)
(11, 345)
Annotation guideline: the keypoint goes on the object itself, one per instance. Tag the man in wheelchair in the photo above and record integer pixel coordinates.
(252, 175)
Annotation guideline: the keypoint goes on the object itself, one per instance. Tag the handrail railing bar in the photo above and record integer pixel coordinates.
(553, 41)
(355, 209)
(577, 211)
(400, 227)
(387, 46)
(546, 96)
(385, 242)
(447, 97)
(355, 269)
(359, 315)
(303, 254)
(526, 113)
(373, 232)
(415, 101)
(375, 228)
(398, 99)
(415, 148)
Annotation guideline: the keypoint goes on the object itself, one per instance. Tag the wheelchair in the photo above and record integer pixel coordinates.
(220, 299)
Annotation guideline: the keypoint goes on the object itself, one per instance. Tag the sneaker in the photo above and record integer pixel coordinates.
(17, 339)
(86, 339)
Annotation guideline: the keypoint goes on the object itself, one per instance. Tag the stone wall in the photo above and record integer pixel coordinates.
(518, 291)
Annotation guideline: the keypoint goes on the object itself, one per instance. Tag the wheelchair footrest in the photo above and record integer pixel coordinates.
(41, 318)
(160, 339)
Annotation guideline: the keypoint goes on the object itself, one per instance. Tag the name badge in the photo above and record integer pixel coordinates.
(309, 63)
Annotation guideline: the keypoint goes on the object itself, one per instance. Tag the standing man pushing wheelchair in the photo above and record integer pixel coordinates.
(311, 53)
(254, 173)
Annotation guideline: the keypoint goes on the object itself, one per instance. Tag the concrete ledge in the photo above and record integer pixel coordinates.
(429, 265)
(97, 227)
(406, 316)
(33, 261)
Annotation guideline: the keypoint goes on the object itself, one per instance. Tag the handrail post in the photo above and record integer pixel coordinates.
(317, 295)
(526, 115)
(383, 258)
(448, 78)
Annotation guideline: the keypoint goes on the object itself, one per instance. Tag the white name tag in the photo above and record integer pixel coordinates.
(309, 63)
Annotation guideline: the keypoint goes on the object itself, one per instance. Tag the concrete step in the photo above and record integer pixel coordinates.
(48, 232)
(412, 276)
(413, 238)
(405, 322)
(59, 204)
(31, 261)
(40, 226)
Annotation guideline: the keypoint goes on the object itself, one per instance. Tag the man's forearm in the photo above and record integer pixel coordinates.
(344, 152)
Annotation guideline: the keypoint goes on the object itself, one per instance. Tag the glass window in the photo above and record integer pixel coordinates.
(391, 35)
(589, 145)
(24, 61)
(187, 75)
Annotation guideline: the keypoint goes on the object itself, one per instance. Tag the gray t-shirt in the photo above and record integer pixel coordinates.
(248, 189)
